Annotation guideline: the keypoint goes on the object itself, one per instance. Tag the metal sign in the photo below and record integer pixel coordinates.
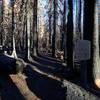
(82, 50)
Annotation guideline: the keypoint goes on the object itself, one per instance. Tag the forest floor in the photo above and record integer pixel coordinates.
(40, 83)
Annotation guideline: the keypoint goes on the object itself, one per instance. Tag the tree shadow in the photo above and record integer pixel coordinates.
(44, 87)
(48, 62)
(8, 89)
(48, 58)
(59, 72)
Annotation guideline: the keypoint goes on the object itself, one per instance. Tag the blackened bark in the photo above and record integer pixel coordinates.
(35, 34)
(54, 28)
(70, 60)
(64, 25)
(88, 33)
(50, 16)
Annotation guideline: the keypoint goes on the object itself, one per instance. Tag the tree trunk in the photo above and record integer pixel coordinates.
(64, 25)
(14, 54)
(90, 35)
(70, 58)
(96, 62)
(54, 28)
(79, 20)
(28, 31)
(35, 34)
(63, 44)
(82, 17)
(2, 22)
(50, 16)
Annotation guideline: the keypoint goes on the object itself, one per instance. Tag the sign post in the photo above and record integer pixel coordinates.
(82, 50)
(82, 54)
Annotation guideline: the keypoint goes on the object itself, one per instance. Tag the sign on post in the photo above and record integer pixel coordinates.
(82, 50)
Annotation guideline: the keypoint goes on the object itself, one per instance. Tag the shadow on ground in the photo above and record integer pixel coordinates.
(53, 68)
(44, 87)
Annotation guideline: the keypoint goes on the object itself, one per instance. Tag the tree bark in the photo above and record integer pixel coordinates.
(35, 34)
(64, 25)
(2, 22)
(96, 58)
(70, 46)
(79, 20)
(28, 30)
(14, 54)
(50, 16)
(91, 33)
(82, 18)
(54, 28)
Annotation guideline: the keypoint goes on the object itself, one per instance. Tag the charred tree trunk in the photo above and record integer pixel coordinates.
(50, 16)
(91, 34)
(70, 58)
(54, 28)
(64, 25)
(35, 34)
(63, 44)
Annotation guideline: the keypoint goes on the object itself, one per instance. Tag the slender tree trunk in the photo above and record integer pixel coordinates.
(2, 23)
(23, 34)
(26, 38)
(12, 21)
(64, 25)
(28, 31)
(70, 47)
(79, 20)
(35, 34)
(50, 16)
(82, 17)
(22, 20)
(63, 44)
(14, 54)
(54, 28)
